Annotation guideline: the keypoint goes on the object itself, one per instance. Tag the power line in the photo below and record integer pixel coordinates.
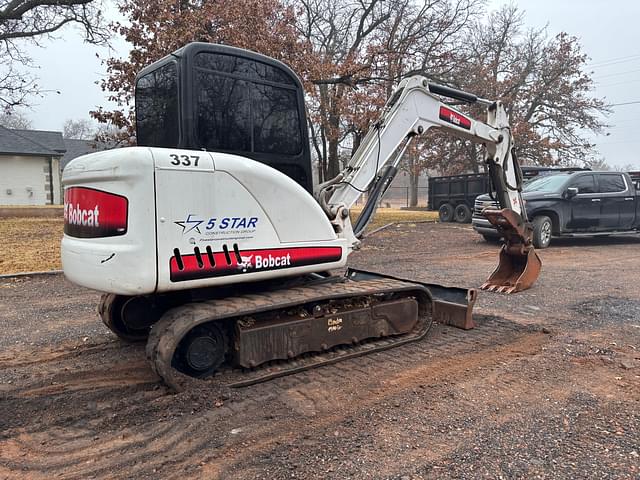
(617, 83)
(616, 143)
(622, 120)
(607, 65)
(616, 74)
(624, 103)
(613, 129)
(615, 59)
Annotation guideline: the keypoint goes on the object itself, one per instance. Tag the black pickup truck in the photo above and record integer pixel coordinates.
(453, 196)
(572, 204)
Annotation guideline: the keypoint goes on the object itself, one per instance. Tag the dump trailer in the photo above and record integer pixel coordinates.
(210, 241)
(452, 196)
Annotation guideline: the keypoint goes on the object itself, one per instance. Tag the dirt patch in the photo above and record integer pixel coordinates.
(547, 385)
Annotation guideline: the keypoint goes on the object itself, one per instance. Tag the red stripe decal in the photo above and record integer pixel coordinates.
(455, 118)
(91, 213)
(194, 268)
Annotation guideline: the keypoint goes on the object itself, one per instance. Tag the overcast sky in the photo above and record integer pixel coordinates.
(608, 30)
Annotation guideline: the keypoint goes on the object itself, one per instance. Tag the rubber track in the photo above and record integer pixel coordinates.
(175, 324)
(109, 302)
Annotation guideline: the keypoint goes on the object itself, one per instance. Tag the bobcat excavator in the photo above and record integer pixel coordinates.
(210, 242)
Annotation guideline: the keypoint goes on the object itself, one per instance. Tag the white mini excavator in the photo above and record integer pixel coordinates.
(210, 241)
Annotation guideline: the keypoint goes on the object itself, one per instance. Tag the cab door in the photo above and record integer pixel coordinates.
(585, 206)
(617, 202)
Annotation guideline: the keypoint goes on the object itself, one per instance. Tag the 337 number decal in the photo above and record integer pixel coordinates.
(184, 160)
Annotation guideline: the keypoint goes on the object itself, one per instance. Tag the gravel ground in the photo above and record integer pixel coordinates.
(546, 386)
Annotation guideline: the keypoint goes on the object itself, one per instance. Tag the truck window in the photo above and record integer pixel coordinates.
(611, 183)
(584, 184)
(547, 183)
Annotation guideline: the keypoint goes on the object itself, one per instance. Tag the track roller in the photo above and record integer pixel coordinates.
(201, 351)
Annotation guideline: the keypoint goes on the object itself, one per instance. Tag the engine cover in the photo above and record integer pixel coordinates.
(140, 220)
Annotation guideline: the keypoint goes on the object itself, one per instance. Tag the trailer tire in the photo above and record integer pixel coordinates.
(445, 212)
(463, 214)
(542, 230)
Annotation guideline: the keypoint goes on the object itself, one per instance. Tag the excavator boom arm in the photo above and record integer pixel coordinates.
(412, 110)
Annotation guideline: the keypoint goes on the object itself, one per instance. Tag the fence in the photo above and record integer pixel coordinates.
(398, 197)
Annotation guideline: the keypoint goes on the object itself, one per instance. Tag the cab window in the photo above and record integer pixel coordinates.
(611, 183)
(584, 184)
(245, 106)
(157, 107)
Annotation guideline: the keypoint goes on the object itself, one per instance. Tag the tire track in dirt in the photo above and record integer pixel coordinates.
(433, 373)
(115, 415)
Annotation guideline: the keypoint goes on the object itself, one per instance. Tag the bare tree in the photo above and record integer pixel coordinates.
(32, 21)
(155, 28)
(15, 119)
(598, 163)
(79, 129)
(542, 81)
(362, 49)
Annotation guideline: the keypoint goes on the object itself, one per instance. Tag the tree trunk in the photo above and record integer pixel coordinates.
(413, 189)
(334, 134)
(357, 140)
(334, 163)
(414, 177)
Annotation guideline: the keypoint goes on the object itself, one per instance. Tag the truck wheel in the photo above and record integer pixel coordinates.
(445, 212)
(463, 214)
(542, 229)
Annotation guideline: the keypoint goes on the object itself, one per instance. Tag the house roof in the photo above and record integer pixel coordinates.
(76, 148)
(31, 142)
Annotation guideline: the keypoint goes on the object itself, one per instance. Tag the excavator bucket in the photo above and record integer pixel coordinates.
(519, 265)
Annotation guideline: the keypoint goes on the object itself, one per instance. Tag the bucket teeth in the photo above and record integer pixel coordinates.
(519, 265)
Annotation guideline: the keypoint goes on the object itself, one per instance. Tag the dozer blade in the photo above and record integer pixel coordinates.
(519, 265)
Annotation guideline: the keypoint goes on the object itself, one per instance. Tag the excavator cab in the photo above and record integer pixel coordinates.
(224, 99)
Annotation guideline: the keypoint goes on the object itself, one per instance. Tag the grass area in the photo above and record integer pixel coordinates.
(35, 207)
(384, 216)
(33, 244)
(30, 244)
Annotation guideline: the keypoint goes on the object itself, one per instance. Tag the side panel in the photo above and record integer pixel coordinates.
(585, 213)
(215, 229)
(109, 240)
(294, 213)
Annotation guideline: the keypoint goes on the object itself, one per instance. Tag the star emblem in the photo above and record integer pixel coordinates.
(190, 224)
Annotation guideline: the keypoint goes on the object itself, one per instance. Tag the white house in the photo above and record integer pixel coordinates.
(30, 167)
(31, 163)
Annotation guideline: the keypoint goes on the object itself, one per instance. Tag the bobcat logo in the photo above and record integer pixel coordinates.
(246, 264)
